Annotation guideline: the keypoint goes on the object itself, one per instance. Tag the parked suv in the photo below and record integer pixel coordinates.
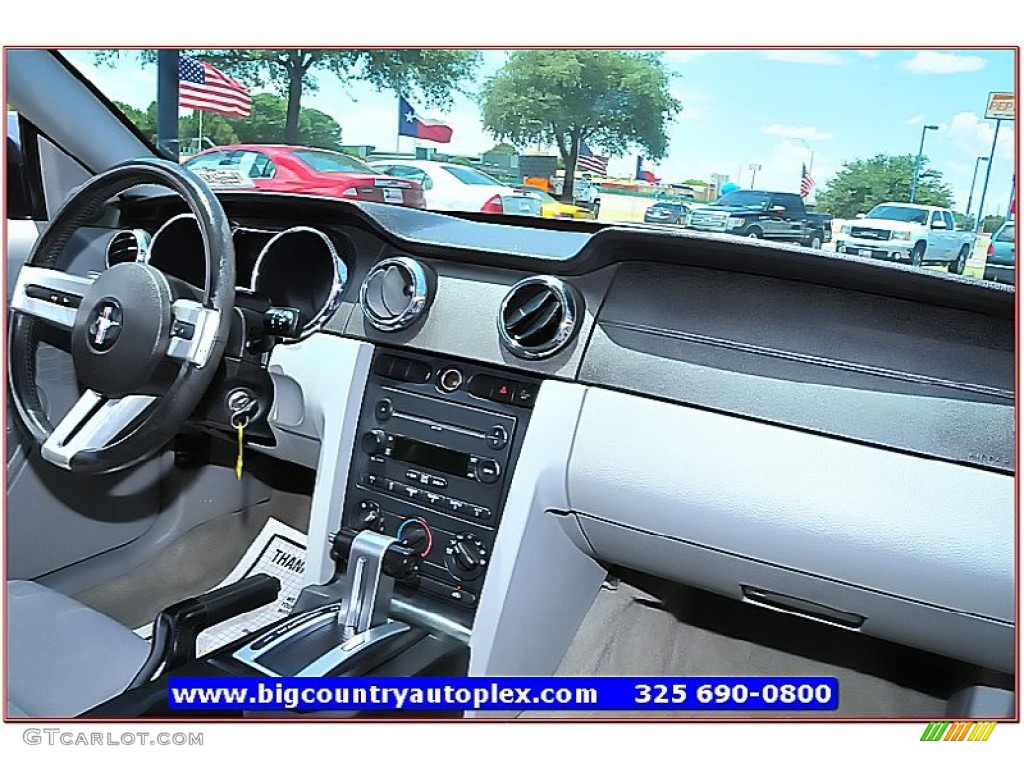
(915, 234)
(761, 214)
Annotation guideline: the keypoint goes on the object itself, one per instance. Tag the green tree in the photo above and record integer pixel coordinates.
(266, 125)
(503, 148)
(431, 74)
(613, 100)
(862, 184)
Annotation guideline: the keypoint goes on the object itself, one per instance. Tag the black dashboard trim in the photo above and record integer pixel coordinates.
(508, 243)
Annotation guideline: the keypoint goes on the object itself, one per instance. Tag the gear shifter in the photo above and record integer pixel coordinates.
(374, 562)
(322, 641)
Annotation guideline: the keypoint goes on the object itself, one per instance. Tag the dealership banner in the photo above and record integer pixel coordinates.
(795, 694)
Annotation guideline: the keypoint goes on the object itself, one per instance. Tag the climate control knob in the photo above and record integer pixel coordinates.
(415, 533)
(374, 442)
(369, 517)
(465, 557)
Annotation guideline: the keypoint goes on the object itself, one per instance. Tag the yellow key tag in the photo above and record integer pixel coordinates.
(241, 451)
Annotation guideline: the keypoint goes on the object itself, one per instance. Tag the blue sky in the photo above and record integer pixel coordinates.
(771, 108)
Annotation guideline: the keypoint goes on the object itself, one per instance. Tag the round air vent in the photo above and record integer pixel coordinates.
(128, 245)
(539, 317)
(394, 293)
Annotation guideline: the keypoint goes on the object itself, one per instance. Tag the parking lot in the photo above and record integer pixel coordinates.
(631, 208)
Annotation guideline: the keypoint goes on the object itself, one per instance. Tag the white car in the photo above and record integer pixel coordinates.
(916, 234)
(454, 187)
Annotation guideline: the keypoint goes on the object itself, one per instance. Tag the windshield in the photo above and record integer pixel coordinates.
(751, 199)
(1006, 234)
(637, 129)
(899, 213)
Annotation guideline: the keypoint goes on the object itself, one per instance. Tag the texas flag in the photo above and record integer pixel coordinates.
(411, 124)
(643, 174)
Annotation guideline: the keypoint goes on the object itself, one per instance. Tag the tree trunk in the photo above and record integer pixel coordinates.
(569, 154)
(291, 123)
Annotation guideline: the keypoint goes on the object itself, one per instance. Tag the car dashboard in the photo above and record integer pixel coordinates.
(528, 406)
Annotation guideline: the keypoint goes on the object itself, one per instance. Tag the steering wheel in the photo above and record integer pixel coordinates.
(145, 346)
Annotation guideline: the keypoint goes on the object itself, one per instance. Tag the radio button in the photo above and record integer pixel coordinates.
(434, 499)
(497, 437)
(487, 471)
(383, 409)
(412, 474)
(437, 482)
(455, 505)
(480, 513)
(524, 395)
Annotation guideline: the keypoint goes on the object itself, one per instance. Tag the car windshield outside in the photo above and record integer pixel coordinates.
(899, 213)
(751, 199)
(471, 176)
(325, 161)
(471, 127)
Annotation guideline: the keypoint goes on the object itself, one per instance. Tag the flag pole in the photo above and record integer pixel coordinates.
(199, 114)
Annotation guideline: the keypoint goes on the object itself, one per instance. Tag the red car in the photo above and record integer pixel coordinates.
(301, 170)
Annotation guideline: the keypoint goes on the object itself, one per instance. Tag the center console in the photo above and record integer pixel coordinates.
(435, 451)
(436, 445)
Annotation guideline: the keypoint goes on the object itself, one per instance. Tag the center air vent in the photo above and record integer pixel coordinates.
(128, 245)
(394, 293)
(538, 317)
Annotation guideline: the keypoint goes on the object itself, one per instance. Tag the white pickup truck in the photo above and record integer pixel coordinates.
(915, 234)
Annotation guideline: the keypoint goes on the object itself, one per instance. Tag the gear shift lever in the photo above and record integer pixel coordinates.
(319, 642)
(374, 562)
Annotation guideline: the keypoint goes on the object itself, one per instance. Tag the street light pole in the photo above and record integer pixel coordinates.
(974, 178)
(988, 172)
(920, 154)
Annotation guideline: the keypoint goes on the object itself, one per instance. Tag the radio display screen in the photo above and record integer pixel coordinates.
(431, 456)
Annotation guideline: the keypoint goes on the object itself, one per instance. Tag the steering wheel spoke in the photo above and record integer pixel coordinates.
(92, 424)
(50, 295)
(193, 332)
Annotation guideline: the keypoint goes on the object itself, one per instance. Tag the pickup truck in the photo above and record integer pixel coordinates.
(914, 234)
(760, 214)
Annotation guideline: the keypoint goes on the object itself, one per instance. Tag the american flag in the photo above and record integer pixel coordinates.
(203, 86)
(588, 162)
(806, 183)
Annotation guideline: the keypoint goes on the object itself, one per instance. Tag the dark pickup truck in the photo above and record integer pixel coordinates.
(768, 215)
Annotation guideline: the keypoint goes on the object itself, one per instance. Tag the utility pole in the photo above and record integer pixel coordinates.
(167, 102)
(970, 197)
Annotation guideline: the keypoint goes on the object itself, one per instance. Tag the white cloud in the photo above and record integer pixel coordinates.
(938, 63)
(829, 58)
(916, 119)
(805, 132)
(973, 136)
(869, 54)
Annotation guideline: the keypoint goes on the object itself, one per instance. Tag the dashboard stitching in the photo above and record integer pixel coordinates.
(824, 362)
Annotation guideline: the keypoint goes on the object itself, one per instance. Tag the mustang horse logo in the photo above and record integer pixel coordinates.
(106, 326)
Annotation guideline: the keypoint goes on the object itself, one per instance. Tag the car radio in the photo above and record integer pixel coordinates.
(435, 451)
